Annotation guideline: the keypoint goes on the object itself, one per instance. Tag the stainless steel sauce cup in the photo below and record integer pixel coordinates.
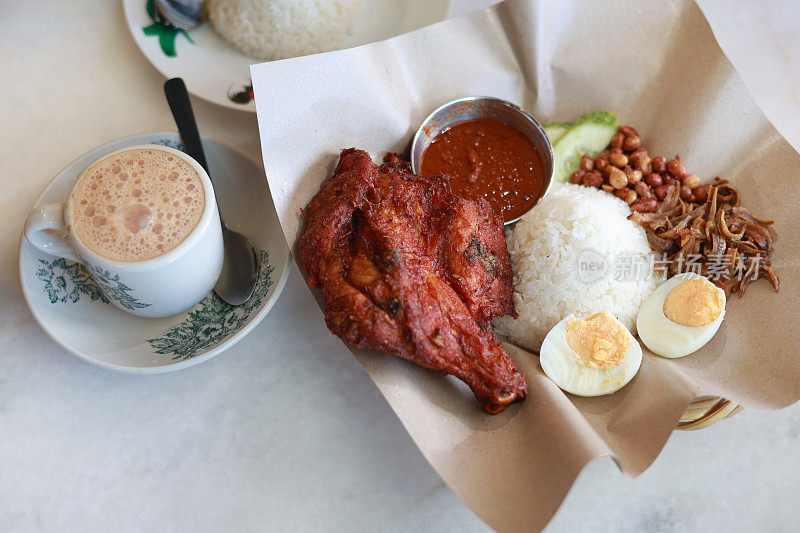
(476, 107)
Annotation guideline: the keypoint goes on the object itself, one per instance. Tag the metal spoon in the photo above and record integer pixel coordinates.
(183, 14)
(240, 266)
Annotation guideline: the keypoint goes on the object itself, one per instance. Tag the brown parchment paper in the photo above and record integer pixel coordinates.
(658, 67)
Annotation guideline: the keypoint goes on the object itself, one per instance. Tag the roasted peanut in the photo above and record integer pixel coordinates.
(644, 205)
(618, 160)
(617, 178)
(592, 179)
(628, 130)
(629, 195)
(587, 163)
(616, 140)
(577, 177)
(606, 187)
(659, 165)
(676, 167)
(632, 142)
(663, 191)
(601, 162)
(701, 193)
(654, 180)
(643, 190)
(643, 164)
(686, 192)
(634, 176)
(691, 181)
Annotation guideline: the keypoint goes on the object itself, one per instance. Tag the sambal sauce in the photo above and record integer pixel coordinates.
(486, 158)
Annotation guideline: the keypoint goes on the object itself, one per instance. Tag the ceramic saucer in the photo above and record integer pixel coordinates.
(69, 307)
(216, 71)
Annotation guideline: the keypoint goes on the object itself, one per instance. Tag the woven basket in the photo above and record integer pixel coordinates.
(706, 411)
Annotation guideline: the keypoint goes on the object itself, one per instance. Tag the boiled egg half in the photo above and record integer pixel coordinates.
(590, 356)
(681, 315)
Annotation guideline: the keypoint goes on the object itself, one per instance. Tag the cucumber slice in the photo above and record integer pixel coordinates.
(557, 130)
(589, 135)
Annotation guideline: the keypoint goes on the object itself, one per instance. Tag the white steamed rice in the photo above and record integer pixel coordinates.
(571, 222)
(277, 29)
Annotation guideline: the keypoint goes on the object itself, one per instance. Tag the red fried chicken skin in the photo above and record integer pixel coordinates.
(409, 268)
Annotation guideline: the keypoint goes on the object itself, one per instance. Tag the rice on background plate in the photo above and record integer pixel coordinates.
(577, 253)
(278, 29)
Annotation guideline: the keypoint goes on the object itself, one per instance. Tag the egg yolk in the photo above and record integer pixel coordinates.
(599, 341)
(695, 302)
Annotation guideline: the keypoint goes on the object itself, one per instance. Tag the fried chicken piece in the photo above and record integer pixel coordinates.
(407, 267)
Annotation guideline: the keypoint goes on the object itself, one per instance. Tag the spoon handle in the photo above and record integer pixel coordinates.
(181, 107)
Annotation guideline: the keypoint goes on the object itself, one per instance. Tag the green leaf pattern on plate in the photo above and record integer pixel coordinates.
(66, 282)
(212, 320)
(166, 32)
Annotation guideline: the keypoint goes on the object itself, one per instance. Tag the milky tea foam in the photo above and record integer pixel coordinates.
(137, 204)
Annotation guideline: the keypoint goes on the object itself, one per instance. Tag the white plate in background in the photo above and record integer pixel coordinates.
(216, 71)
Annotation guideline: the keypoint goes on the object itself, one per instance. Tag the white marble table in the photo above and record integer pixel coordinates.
(276, 433)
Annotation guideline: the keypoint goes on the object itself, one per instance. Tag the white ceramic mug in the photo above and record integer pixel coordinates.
(162, 286)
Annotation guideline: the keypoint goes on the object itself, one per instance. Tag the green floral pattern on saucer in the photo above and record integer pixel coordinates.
(169, 144)
(212, 320)
(67, 282)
